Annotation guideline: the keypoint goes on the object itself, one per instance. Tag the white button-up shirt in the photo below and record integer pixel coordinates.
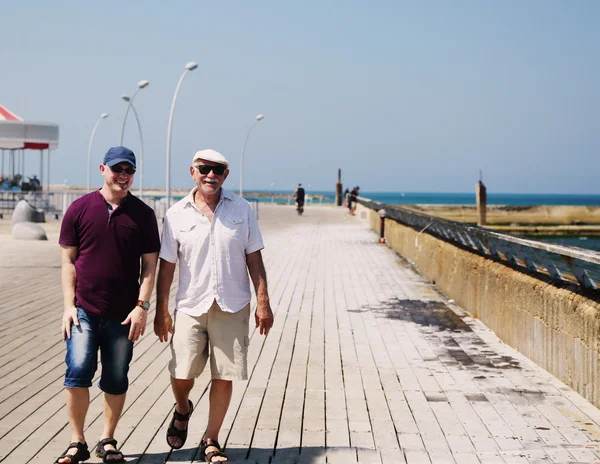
(212, 255)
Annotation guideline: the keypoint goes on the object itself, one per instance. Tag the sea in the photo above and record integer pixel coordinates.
(413, 198)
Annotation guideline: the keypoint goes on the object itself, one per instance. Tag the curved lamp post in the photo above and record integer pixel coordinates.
(102, 116)
(141, 85)
(188, 67)
(141, 167)
(259, 117)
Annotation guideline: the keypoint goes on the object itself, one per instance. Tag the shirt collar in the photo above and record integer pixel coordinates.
(189, 199)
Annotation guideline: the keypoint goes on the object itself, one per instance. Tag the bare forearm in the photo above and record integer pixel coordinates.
(258, 275)
(68, 279)
(147, 276)
(166, 272)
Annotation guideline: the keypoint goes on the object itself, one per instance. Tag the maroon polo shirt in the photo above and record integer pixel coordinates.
(107, 268)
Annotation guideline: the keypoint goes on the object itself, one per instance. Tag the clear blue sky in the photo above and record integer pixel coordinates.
(402, 96)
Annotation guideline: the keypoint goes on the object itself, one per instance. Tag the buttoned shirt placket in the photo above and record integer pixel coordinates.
(214, 277)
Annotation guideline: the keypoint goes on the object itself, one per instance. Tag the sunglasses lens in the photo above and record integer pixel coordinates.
(218, 170)
(119, 170)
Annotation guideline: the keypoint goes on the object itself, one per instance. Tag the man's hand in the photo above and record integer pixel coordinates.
(137, 317)
(69, 316)
(264, 318)
(163, 326)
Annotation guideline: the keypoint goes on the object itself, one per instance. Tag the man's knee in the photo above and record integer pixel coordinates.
(222, 385)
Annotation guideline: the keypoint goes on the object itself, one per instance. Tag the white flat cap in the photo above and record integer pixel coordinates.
(210, 155)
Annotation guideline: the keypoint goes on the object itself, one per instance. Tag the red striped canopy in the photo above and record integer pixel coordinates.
(17, 134)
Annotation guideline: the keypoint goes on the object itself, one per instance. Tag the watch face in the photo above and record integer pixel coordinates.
(145, 304)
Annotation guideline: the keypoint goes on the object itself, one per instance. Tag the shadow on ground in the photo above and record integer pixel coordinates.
(443, 327)
(293, 455)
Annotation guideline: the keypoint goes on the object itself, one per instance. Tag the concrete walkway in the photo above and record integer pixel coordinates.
(366, 363)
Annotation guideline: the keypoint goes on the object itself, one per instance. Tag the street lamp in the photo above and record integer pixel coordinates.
(259, 117)
(188, 67)
(102, 116)
(141, 85)
(141, 168)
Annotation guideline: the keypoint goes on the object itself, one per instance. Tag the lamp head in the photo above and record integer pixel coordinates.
(104, 115)
(260, 117)
(125, 97)
(143, 84)
(191, 66)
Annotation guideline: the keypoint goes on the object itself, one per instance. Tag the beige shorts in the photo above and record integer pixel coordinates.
(225, 333)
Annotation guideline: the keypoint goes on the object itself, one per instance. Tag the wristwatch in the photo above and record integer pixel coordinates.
(143, 304)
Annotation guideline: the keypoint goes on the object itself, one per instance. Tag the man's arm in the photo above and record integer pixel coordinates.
(163, 323)
(264, 315)
(68, 256)
(138, 315)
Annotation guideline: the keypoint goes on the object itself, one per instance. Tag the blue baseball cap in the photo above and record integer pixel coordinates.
(116, 155)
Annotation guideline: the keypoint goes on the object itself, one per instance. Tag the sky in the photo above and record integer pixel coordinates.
(406, 96)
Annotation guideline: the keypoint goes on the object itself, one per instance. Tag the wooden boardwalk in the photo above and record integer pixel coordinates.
(366, 363)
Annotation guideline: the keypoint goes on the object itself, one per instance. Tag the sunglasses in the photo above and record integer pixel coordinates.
(205, 169)
(118, 170)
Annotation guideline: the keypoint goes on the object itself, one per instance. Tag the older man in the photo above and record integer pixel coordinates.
(214, 235)
(103, 237)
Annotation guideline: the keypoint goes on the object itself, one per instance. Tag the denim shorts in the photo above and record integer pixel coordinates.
(116, 351)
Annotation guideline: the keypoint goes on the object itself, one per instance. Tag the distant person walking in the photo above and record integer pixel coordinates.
(215, 237)
(299, 195)
(103, 236)
(352, 200)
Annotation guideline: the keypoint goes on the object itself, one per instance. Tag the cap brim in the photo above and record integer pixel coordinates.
(111, 163)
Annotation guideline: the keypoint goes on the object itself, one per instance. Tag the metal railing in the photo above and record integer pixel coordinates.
(56, 203)
(559, 262)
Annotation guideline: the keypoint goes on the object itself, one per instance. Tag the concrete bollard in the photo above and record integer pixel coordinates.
(381, 213)
(28, 231)
(24, 212)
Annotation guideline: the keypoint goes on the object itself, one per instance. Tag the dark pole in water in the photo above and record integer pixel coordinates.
(338, 189)
(481, 196)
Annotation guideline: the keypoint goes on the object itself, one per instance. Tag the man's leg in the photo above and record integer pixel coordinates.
(78, 401)
(228, 335)
(81, 359)
(220, 397)
(116, 352)
(181, 391)
(113, 407)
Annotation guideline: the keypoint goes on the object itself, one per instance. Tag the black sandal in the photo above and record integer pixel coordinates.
(173, 431)
(103, 453)
(212, 454)
(82, 454)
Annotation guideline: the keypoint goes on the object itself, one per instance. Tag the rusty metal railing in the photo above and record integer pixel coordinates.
(559, 262)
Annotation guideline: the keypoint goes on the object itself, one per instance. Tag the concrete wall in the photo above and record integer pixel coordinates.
(555, 326)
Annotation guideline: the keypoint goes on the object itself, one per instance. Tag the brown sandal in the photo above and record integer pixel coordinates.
(173, 431)
(103, 453)
(212, 454)
(82, 454)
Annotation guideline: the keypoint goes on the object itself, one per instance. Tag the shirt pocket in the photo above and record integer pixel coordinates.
(187, 238)
(187, 233)
(233, 227)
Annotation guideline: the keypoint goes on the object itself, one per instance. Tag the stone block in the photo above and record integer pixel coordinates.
(28, 231)
(24, 212)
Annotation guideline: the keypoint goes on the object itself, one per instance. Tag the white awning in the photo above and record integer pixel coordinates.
(17, 134)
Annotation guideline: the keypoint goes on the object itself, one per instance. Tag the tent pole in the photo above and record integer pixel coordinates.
(48, 173)
(2, 173)
(23, 164)
(42, 167)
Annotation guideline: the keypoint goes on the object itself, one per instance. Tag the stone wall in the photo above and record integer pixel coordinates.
(556, 326)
